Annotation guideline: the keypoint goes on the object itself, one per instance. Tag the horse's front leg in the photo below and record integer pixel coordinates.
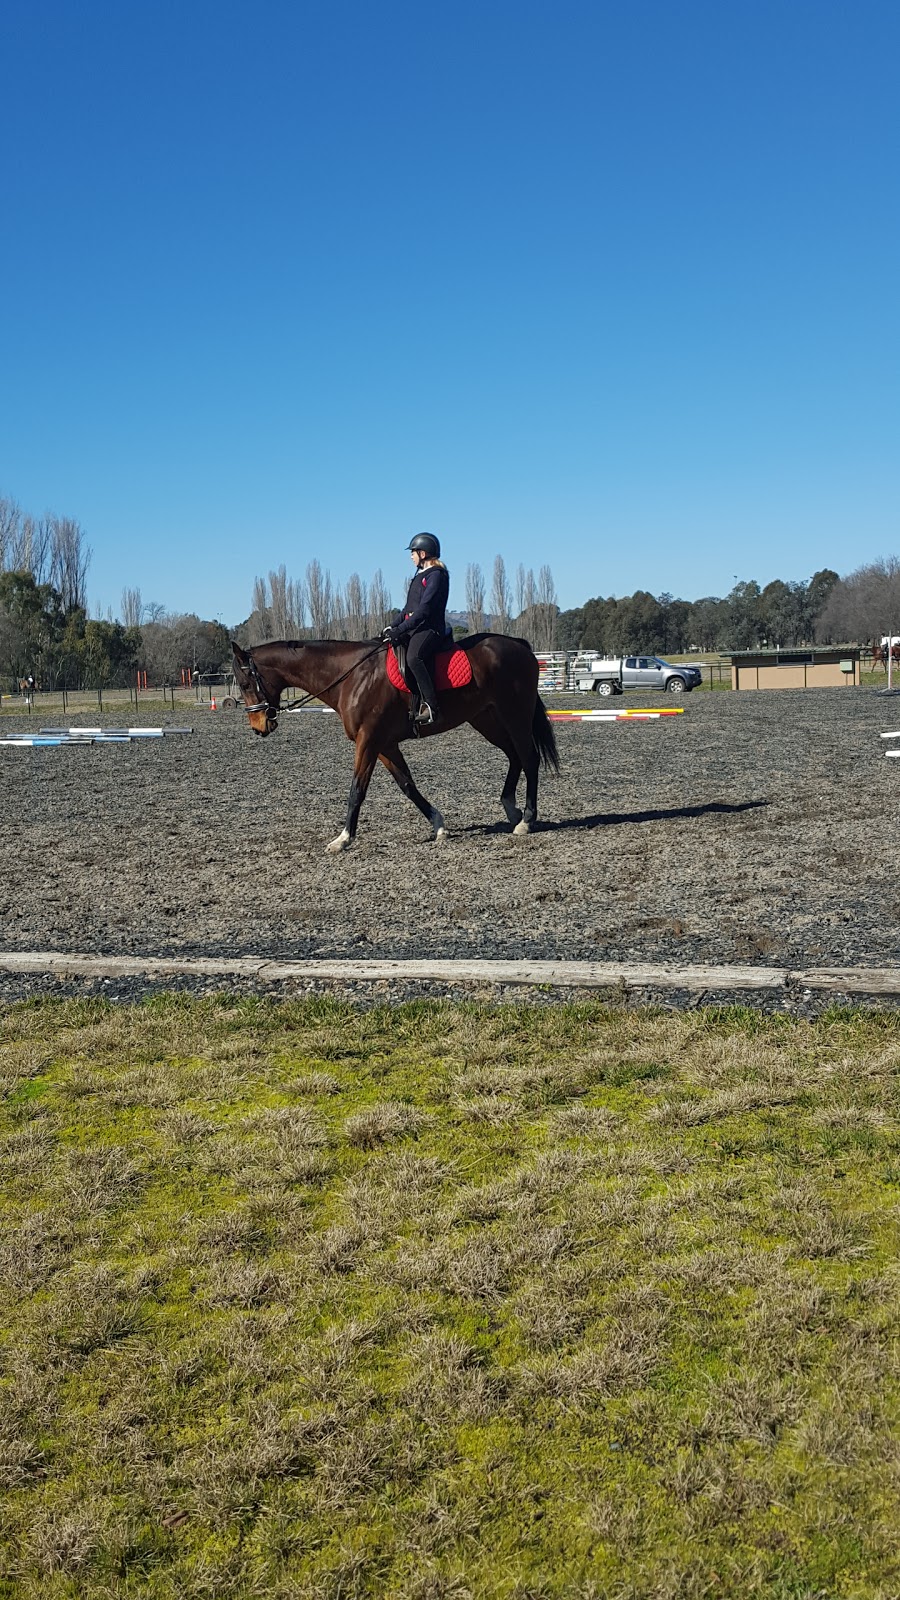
(363, 768)
(402, 776)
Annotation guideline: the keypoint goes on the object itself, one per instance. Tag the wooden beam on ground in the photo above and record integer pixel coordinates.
(695, 978)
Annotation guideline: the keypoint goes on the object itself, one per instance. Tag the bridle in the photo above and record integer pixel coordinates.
(272, 710)
(263, 704)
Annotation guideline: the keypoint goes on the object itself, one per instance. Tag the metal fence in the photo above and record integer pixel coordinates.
(202, 691)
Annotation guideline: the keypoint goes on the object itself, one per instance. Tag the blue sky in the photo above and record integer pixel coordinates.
(611, 286)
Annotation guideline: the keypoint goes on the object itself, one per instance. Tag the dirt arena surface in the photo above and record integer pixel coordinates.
(759, 827)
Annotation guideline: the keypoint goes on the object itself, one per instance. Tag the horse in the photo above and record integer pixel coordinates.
(26, 690)
(501, 703)
(880, 655)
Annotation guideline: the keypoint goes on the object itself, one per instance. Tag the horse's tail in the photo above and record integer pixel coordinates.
(544, 737)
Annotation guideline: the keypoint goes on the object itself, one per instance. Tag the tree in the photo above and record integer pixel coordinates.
(545, 610)
(525, 600)
(32, 622)
(132, 609)
(356, 607)
(69, 561)
(10, 522)
(744, 616)
(778, 615)
(475, 597)
(707, 624)
(380, 608)
(864, 606)
(501, 599)
(320, 599)
(107, 654)
(569, 628)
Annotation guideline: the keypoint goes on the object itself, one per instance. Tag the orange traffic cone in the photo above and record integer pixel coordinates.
(212, 703)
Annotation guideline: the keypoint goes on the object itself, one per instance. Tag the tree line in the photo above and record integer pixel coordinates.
(44, 624)
(316, 607)
(45, 628)
(779, 616)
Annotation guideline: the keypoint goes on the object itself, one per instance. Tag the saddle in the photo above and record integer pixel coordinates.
(451, 669)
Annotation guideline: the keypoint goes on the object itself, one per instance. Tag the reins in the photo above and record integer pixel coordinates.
(316, 694)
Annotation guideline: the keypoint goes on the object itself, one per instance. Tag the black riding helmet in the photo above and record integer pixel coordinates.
(427, 544)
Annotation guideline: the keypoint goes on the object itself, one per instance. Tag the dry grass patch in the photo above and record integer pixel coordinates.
(447, 1301)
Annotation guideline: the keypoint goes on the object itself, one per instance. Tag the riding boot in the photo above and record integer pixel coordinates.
(430, 710)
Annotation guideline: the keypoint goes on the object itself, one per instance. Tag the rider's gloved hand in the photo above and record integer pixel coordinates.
(389, 636)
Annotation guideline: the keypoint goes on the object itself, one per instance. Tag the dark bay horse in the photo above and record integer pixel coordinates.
(501, 703)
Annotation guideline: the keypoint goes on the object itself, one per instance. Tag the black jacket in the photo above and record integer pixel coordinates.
(426, 603)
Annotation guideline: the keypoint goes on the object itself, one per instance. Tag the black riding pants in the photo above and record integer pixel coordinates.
(420, 652)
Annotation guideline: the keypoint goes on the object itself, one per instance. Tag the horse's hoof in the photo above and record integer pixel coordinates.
(522, 827)
(441, 834)
(342, 842)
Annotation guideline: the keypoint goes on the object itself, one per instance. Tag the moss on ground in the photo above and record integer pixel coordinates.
(301, 1300)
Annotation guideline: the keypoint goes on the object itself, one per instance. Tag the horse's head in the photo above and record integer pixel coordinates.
(261, 701)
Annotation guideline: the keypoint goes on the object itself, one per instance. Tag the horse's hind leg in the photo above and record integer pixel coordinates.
(522, 749)
(402, 776)
(491, 728)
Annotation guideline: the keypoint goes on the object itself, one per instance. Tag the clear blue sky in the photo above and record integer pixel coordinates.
(612, 286)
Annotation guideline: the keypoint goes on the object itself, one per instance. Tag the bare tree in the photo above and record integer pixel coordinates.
(380, 608)
(501, 600)
(525, 603)
(280, 617)
(31, 548)
(69, 561)
(10, 523)
(259, 613)
(132, 609)
(356, 607)
(320, 599)
(546, 610)
(864, 606)
(475, 596)
(296, 606)
(520, 589)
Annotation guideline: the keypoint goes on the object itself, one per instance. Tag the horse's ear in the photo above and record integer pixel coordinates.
(238, 653)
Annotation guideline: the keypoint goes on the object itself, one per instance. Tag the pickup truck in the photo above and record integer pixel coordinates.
(613, 674)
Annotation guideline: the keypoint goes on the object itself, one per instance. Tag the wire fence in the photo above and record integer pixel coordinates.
(202, 690)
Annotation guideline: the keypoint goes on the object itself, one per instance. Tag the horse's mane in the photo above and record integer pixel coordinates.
(309, 644)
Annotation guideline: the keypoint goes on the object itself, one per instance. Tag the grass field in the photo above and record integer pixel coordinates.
(449, 1300)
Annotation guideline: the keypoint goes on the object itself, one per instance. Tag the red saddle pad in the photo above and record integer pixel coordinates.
(452, 670)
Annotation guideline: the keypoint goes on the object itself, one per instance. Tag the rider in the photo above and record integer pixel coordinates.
(423, 624)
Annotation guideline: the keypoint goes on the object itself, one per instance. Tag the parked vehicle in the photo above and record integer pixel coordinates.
(608, 675)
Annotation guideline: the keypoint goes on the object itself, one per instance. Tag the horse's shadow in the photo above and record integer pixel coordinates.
(615, 819)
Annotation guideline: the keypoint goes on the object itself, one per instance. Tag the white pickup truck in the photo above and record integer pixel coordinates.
(614, 674)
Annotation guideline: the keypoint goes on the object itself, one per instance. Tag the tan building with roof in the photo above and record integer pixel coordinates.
(795, 669)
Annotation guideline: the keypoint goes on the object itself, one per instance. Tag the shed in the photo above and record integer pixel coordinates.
(795, 669)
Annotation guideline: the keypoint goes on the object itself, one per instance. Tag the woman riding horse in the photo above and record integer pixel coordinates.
(494, 689)
(423, 623)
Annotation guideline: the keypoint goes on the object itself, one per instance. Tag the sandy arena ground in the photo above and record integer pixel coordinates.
(755, 827)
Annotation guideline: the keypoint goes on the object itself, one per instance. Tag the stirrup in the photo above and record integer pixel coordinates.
(427, 715)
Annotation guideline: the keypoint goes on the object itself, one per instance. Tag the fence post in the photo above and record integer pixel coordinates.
(100, 696)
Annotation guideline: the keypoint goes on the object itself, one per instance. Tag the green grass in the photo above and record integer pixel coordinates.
(299, 1300)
